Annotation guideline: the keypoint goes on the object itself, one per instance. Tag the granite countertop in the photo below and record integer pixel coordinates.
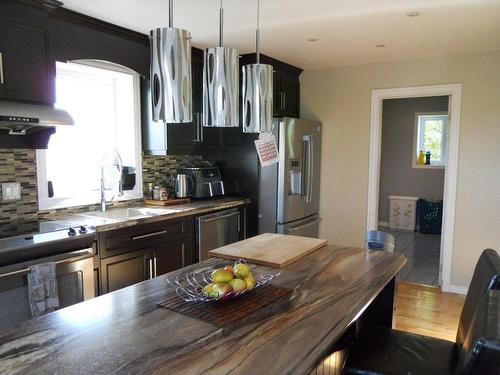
(126, 332)
(154, 213)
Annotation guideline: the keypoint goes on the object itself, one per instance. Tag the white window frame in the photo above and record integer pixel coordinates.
(46, 203)
(417, 141)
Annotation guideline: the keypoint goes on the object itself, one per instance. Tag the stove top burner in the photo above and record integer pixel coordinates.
(43, 231)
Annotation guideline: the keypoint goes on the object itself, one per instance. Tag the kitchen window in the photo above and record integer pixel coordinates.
(104, 100)
(431, 134)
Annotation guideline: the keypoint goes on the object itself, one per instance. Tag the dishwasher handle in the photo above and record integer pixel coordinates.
(216, 218)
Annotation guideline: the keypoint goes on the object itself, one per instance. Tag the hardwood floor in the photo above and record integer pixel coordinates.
(427, 310)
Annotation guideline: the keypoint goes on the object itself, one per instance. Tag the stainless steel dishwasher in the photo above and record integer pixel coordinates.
(216, 230)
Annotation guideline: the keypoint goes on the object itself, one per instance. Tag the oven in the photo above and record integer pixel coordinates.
(75, 283)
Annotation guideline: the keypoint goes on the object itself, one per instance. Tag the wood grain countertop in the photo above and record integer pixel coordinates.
(125, 332)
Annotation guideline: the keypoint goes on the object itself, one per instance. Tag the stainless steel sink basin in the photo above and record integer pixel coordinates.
(128, 213)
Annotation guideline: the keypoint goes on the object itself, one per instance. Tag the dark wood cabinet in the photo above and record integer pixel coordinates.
(286, 85)
(126, 269)
(287, 94)
(134, 254)
(25, 68)
(169, 257)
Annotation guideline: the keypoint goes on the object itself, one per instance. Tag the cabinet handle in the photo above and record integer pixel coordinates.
(183, 256)
(199, 129)
(149, 235)
(284, 101)
(150, 268)
(2, 80)
(155, 263)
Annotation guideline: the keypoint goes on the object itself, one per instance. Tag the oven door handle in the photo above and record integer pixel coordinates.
(70, 257)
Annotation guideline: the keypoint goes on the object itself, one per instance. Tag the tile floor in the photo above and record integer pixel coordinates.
(422, 254)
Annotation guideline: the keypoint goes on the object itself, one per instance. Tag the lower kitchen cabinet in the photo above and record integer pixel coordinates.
(169, 257)
(124, 270)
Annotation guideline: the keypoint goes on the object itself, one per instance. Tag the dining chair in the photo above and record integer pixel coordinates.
(476, 350)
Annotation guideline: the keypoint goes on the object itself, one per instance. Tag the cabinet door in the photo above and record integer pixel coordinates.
(169, 257)
(123, 270)
(24, 64)
(290, 91)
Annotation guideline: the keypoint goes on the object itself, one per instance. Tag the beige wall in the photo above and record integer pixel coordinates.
(340, 98)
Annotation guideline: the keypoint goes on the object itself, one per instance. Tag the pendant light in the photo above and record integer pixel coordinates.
(171, 90)
(257, 92)
(221, 83)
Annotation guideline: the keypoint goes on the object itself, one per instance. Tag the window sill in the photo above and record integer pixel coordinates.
(430, 166)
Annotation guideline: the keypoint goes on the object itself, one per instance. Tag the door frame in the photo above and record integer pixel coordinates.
(454, 91)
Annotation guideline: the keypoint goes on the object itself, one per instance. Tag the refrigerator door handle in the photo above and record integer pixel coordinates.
(308, 176)
(294, 229)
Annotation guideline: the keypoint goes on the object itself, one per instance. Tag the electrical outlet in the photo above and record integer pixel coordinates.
(11, 191)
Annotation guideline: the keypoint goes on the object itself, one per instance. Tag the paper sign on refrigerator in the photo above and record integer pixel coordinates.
(266, 149)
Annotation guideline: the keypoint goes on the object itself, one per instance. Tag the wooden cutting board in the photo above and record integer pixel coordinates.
(270, 249)
(168, 202)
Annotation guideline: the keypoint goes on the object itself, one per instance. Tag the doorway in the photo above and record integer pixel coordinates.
(453, 92)
(411, 187)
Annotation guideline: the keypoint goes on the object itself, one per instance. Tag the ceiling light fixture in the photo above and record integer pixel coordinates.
(380, 45)
(413, 14)
(312, 39)
(171, 91)
(221, 83)
(257, 91)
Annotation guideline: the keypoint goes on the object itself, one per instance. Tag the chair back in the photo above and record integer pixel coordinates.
(378, 240)
(486, 276)
(480, 352)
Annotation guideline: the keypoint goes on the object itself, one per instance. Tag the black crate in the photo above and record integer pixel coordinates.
(430, 216)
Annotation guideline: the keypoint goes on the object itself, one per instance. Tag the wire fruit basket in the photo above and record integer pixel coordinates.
(192, 287)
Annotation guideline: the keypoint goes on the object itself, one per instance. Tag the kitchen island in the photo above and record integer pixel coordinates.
(126, 332)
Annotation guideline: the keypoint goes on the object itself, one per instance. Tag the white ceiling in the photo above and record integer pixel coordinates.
(348, 30)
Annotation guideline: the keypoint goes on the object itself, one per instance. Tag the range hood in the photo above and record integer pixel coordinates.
(23, 118)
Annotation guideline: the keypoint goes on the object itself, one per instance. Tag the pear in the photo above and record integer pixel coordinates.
(221, 291)
(238, 285)
(250, 281)
(221, 275)
(208, 290)
(241, 270)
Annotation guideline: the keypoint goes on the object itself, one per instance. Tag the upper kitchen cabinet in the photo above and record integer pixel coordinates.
(184, 138)
(74, 36)
(25, 68)
(286, 85)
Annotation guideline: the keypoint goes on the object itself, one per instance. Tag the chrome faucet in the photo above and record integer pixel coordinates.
(116, 163)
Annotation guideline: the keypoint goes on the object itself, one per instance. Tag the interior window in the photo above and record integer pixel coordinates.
(431, 137)
(104, 101)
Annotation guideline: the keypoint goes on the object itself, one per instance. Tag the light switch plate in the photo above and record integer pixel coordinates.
(11, 191)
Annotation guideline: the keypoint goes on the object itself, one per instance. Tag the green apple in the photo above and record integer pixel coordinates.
(241, 270)
(238, 285)
(221, 275)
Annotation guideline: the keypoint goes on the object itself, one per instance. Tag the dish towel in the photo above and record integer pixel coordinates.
(42, 288)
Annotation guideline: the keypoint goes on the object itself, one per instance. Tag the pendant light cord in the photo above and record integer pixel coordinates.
(221, 25)
(257, 33)
(170, 13)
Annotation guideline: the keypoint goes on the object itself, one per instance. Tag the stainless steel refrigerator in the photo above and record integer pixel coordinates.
(289, 191)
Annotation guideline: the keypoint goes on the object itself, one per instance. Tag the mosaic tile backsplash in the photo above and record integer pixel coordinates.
(19, 165)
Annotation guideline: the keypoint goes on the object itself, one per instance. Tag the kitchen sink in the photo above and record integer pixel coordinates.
(128, 213)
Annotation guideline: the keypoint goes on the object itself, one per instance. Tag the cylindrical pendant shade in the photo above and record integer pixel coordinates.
(171, 89)
(257, 97)
(221, 87)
